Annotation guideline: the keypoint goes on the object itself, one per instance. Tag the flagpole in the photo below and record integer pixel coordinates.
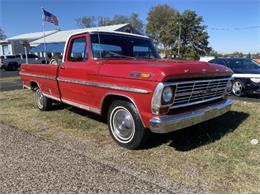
(44, 41)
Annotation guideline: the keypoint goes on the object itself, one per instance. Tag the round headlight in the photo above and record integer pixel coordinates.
(255, 80)
(167, 95)
(229, 86)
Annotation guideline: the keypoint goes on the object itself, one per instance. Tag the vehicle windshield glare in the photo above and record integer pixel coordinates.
(243, 64)
(109, 46)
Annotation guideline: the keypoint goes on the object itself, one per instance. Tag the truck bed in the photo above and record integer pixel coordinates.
(42, 75)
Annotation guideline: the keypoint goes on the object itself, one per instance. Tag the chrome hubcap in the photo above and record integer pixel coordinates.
(122, 124)
(237, 88)
(39, 100)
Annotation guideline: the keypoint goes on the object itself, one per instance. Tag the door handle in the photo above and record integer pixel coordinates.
(62, 66)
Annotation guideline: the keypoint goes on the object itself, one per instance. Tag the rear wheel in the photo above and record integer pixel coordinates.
(125, 125)
(238, 88)
(42, 102)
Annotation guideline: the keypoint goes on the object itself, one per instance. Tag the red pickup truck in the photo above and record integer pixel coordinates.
(121, 76)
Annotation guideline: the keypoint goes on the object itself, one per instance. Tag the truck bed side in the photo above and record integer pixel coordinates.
(42, 75)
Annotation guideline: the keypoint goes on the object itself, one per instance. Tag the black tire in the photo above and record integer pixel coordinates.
(42, 102)
(238, 88)
(138, 135)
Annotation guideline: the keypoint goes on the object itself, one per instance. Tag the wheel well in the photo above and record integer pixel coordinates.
(109, 99)
(34, 85)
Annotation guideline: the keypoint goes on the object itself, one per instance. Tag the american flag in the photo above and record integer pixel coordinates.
(49, 17)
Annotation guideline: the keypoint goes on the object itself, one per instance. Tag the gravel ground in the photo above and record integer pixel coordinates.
(30, 164)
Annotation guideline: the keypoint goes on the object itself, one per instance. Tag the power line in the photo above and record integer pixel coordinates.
(235, 28)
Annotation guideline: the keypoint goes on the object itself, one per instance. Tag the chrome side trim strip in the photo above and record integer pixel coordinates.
(51, 97)
(102, 85)
(88, 108)
(38, 76)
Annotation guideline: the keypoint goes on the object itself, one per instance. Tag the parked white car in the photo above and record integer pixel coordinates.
(13, 62)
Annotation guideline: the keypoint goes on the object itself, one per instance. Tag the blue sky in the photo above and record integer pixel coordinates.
(22, 16)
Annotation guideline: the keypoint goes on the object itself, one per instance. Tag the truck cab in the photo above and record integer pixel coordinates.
(121, 77)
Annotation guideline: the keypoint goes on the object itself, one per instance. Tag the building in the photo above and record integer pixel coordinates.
(14, 45)
(53, 41)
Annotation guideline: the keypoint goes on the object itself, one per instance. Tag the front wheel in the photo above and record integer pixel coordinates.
(238, 88)
(42, 102)
(125, 125)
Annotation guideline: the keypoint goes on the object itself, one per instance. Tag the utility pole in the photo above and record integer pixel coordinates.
(179, 41)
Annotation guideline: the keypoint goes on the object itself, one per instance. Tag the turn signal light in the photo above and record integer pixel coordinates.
(141, 74)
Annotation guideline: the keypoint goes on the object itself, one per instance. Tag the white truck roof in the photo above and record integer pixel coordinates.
(62, 36)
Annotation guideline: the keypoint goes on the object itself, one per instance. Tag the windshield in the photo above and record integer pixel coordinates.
(243, 64)
(109, 46)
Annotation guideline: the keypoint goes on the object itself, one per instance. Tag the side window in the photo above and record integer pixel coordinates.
(78, 50)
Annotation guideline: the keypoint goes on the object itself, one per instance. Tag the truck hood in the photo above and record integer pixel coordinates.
(162, 70)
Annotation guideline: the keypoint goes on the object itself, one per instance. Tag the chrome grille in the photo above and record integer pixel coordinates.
(199, 91)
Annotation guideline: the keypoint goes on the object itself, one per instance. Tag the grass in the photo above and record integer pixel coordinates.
(214, 157)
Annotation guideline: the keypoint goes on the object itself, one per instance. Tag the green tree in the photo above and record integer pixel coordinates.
(136, 22)
(92, 21)
(178, 32)
(214, 53)
(2, 35)
(103, 21)
(194, 37)
(236, 54)
(86, 21)
(157, 20)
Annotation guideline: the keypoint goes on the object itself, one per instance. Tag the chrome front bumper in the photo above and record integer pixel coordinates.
(171, 123)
